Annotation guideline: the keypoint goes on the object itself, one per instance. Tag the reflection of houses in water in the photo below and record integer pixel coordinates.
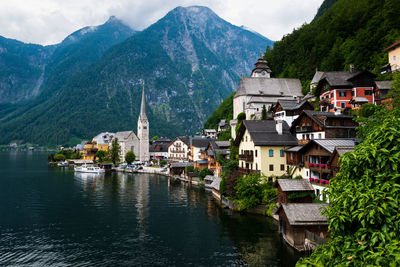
(90, 182)
(142, 184)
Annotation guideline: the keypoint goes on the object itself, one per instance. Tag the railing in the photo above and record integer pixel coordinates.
(244, 171)
(318, 165)
(246, 157)
(302, 129)
(318, 181)
(315, 238)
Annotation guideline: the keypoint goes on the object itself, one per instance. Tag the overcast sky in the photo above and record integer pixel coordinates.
(50, 21)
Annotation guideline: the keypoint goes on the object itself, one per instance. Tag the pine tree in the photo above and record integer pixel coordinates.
(264, 113)
(114, 151)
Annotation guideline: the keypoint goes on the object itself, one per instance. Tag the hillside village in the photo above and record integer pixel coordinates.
(290, 140)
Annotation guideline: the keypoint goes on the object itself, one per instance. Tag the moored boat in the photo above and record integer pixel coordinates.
(89, 169)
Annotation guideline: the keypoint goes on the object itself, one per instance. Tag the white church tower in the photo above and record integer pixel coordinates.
(143, 131)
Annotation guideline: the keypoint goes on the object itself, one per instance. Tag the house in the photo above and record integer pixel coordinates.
(210, 133)
(103, 140)
(300, 223)
(262, 145)
(294, 191)
(214, 149)
(336, 88)
(381, 92)
(258, 90)
(289, 109)
(89, 151)
(320, 125)
(315, 80)
(316, 159)
(179, 148)
(393, 57)
(128, 141)
(196, 144)
(159, 148)
(222, 126)
(337, 153)
(215, 188)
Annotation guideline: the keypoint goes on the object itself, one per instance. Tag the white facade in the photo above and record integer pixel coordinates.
(310, 136)
(281, 116)
(178, 150)
(128, 141)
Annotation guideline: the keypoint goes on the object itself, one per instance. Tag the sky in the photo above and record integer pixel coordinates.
(50, 21)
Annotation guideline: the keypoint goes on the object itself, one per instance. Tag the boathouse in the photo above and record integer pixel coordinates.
(294, 191)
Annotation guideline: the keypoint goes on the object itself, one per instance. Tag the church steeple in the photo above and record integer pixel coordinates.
(143, 105)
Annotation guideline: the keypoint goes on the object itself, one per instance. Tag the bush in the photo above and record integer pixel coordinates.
(130, 157)
(189, 169)
(101, 155)
(58, 157)
(204, 172)
(163, 162)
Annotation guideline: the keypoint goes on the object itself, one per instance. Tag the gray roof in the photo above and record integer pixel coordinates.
(305, 213)
(215, 183)
(269, 87)
(263, 133)
(222, 144)
(344, 149)
(340, 78)
(294, 149)
(209, 178)
(181, 164)
(330, 144)
(266, 99)
(318, 117)
(202, 161)
(382, 85)
(104, 138)
(210, 131)
(295, 185)
(200, 142)
(122, 136)
(291, 104)
(317, 77)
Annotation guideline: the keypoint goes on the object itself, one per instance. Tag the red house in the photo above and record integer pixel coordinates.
(336, 89)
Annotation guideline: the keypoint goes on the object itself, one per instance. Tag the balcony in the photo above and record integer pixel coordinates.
(244, 171)
(303, 129)
(320, 166)
(246, 157)
(320, 182)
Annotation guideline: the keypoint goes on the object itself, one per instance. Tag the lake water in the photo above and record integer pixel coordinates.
(51, 217)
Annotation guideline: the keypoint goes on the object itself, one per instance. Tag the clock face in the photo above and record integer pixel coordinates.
(263, 73)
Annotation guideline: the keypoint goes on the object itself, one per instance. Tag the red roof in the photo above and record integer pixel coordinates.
(393, 46)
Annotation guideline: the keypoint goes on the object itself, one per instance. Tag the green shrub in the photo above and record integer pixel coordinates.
(204, 172)
(130, 157)
(58, 157)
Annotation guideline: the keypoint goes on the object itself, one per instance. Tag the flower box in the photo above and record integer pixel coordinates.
(321, 165)
(316, 180)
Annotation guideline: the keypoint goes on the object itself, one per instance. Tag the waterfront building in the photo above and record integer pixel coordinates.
(103, 140)
(289, 109)
(128, 141)
(320, 125)
(179, 148)
(262, 145)
(198, 143)
(214, 149)
(302, 224)
(294, 191)
(336, 88)
(89, 151)
(260, 89)
(159, 148)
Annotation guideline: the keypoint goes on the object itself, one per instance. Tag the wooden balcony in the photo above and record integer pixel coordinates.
(303, 129)
(244, 171)
(246, 157)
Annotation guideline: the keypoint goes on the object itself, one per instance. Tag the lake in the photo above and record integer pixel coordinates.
(52, 217)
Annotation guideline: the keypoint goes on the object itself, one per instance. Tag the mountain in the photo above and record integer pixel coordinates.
(349, 32)
(190, 61)
(324, 7)
(21, 69)
(223, 112)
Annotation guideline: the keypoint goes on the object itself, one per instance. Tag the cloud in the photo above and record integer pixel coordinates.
(50, 21)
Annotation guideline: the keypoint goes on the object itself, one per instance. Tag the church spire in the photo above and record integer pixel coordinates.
(143, 105)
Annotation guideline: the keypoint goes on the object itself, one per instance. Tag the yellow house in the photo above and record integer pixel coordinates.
(262, 145)
(89, 151)
(394, 56)
(103, 140)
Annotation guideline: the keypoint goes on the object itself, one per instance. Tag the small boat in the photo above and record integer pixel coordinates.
(63, 164)
(89, 169)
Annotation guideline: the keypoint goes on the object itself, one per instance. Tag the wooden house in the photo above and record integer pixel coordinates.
(294, 191)
(337, 153)
(289, 109)
(213, 149)
(300, 222)
(382, 92)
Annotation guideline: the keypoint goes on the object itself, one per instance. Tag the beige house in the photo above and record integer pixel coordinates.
(394, 56)
(262, 145)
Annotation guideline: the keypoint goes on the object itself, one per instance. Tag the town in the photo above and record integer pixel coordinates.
(279, 137)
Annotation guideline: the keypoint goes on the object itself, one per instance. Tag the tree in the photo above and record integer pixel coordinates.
(100, 154)
(130, 157)
(58, 157)
(364, 213)
(114, 151)
(225, 135)
(240, 117)
(155, 138)
(264, 113)
(204, 172)
(395, 92)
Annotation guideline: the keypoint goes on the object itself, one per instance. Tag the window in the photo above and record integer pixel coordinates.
(306, 173)
(342, 105)
(282, 167)
(271, 167)
(271, 153)
(291, 155)
(246, 138)
(256, 153)
(352, 93)
(319, 136)
(256, 166)
(394, 58)
(331, 95)
(331, 106)
(368, 92)
(282, 153)
(342, 94)
(323, 109)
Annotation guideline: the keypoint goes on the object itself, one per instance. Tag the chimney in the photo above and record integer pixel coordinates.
(351, 68)
(279, 127)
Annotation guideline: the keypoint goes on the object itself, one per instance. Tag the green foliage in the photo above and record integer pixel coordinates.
(364, 211)
(225, 135)
(223, 112)
(241, 116)
(204, 172)
(294, 195)
(155, 138)
(70, 154)
(114, 151)
(368, 109)
(298, 177)
(100, 155)
(163, 162)
(130, 157)
(346, 32)
(395, 92)
(264, 113)
(58, 157)
(189, 169)
(252, 190)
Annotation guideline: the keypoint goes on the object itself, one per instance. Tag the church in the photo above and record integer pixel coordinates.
(139, 143)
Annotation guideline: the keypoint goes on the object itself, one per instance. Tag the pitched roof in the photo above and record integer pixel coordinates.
(291, 104)
(122, 136)
(317, 77)
(215, 183)
(316, 117)
(210, 130)
(266, 99)
(294, 149)
(382, 85)
(393, 46)
(295, 185)
(104, 138)
(269, 87)
(344, 149)
(200, 142)
(209, 178)
(263, 133)
(330, 144)
(358, 99)
(181, 164)
(304, 213)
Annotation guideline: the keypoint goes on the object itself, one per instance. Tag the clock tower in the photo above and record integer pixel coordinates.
(143, 131)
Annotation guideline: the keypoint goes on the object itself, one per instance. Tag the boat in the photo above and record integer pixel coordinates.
(63, 164)
(89, 169)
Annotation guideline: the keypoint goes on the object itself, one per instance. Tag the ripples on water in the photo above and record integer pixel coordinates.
(51, 217)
